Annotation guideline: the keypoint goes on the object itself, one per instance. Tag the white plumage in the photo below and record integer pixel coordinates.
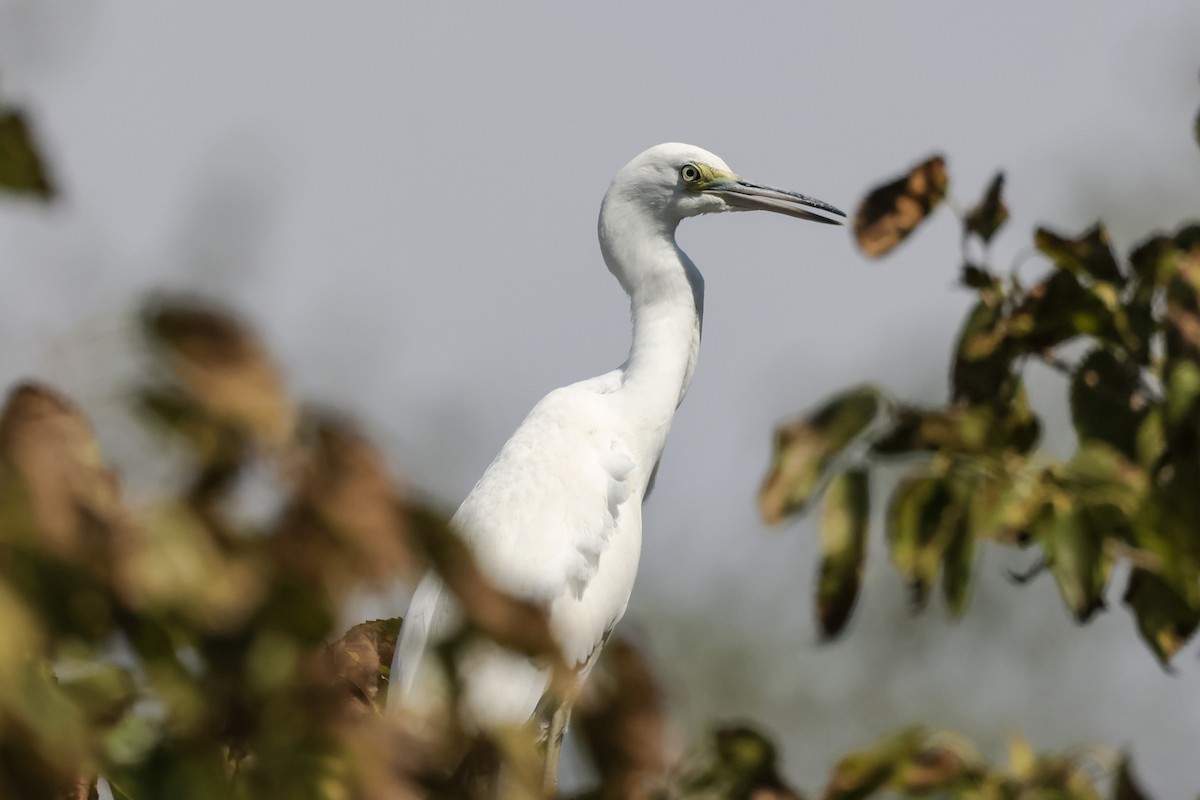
(556, 518)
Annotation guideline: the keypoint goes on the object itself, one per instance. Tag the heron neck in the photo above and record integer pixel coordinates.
(666, 334)
(667, 300)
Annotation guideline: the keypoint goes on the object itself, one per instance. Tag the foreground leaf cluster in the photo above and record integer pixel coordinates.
(184, 647)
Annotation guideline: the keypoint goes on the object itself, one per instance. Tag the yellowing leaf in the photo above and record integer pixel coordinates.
(804, 450)
(170, 565)
(862, 772)
(1075, 554)
(1090, 254)
(843, 550)
(921, 523)
(1022, 761)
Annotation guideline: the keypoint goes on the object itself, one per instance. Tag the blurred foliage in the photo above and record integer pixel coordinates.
(185, 648)
(22, 168)
(924, 763)
(892, 211)
(1129, 492)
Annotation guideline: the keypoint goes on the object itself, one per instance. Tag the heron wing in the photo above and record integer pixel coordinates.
(538, 522)
(543, 513)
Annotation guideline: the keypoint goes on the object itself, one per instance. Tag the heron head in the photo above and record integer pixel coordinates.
(674, 181)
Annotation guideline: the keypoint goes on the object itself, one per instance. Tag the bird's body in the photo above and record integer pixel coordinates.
(556, 518)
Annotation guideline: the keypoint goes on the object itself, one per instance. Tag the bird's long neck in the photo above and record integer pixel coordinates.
(667, 301)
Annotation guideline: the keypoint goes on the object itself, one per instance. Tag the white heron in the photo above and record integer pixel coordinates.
(557, 517)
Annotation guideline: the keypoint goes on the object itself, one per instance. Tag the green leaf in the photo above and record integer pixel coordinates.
(1057, 310)
(103, 692)
(1182, 324)
(1153, 262)
(889, 213)
(934, 768)
(981, 374)
(1127, 788)
(916, 430)
(1099, 476)
(740, 762)
(986, 218)
(843, 549)
(976, 277)
(1075, 556)
(1021, 429)
(920, 526)
(1183, 394)
(957, 568)
(1090, 254)
(1106, 402)
(1156, 262)
(22, 168)
(1164, 619)
(804, 450)
(862, 772)
(1187, 238)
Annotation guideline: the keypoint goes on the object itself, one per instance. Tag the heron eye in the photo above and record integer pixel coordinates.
(690, 173)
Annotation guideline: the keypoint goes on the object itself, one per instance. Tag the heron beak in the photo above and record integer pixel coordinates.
(743, 195)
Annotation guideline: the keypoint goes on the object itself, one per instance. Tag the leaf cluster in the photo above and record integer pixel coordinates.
(181, 648)
(1128, 493)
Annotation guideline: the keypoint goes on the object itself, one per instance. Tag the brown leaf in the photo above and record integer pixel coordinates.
(986, 218)
(84, 790)
(22, 168)
(345, 522)
(362, 658)
(890, 212)
(622, 716)
(221, 365)
(51, 475)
